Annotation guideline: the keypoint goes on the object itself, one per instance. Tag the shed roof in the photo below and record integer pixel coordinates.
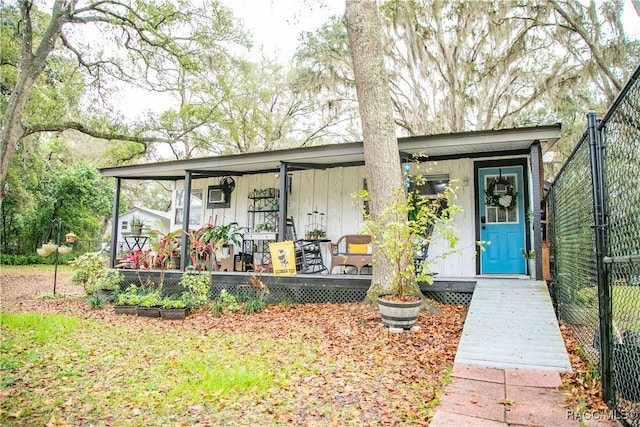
(149, 211)
(450, 145)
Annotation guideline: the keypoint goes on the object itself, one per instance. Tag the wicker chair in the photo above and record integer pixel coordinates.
(352, 250)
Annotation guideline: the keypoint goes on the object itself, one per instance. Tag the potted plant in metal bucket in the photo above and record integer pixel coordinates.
(136, 226)
(398, 231)
(530, 257)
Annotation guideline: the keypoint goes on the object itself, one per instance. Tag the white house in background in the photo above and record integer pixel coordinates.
(498, 175)
(152, 220)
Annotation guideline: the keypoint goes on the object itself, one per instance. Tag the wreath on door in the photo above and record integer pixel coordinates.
(507, 200)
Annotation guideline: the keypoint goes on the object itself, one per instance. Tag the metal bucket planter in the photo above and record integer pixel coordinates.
(148, 311)
(130, 310)
(399, 314)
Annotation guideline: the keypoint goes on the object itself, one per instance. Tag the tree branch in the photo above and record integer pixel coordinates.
(107, 135)
(592, 48)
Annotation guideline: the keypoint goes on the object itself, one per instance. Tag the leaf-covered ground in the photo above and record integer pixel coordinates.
(318, 365)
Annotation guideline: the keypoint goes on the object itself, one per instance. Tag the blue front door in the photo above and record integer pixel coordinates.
(502, 221)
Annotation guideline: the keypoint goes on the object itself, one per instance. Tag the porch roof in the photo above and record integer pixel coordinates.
(450, 145)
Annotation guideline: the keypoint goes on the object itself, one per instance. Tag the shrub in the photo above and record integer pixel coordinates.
(110, 279)
(248, 302)
(95, 301)
(33, 259)
(217, 308)
(198, 285)
(229, 301)
(88, 269)
(254, 305)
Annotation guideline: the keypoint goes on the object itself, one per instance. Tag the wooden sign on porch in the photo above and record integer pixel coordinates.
(283, 258)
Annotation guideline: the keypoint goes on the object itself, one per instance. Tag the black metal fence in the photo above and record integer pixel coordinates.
(595, 239)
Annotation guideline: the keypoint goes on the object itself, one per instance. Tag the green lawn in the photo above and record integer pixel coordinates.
(626, 307)
(312, 364)
(52, 365)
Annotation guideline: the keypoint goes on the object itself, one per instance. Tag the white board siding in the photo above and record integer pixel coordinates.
(330, 191)
(461, 264)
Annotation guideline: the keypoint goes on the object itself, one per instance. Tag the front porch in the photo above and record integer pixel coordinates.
(261, 192)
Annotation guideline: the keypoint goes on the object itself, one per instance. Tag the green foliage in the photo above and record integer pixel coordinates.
(254, 304)
(198, 285)
(287, 301)
(89, 268)
(137, 222)
(151, 298)
(110, 279)
(228, 301)
(250, 302)
(174, 301)
(217, 308)
(57, 91)
(95, 301)
(33, 259)
(130, 296)
(407, 222)
(43, 191)
(229, 233)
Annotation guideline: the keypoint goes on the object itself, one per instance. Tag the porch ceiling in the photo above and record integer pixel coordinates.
(450, 145)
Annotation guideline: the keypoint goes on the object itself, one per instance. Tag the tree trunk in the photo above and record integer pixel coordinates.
(31, 65)
(381, 154)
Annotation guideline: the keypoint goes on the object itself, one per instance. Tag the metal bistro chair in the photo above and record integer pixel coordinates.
(308, 254)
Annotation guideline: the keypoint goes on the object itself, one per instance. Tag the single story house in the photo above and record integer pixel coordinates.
(498, 175)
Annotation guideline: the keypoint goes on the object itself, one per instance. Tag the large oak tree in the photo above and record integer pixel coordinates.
(462, 65)
(381, 154)
(144, 43)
